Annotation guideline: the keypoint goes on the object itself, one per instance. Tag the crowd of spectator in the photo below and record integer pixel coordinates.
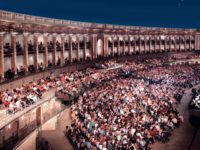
(124, 108)
(131, 112)
(19, 98)
(73, 84)
(195, 100)
(195, 103)
(120, 114)
(183, 56)
(107, 64)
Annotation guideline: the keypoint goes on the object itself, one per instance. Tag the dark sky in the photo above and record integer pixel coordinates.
(157, 13)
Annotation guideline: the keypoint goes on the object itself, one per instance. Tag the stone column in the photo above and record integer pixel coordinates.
(129, 45)
(160, 44)
(178, 40)
(190, 43)
(165, 44)
(197, 41)
(176, 47)
(118, 46)
(62, 50)
(70, 48)
(85, 47)
(54, 50)
(176, 44)
(185, 44)
(14, 54)
(170, 44)
(25, 47)
(93, 51)
(113, 45)
(78, 48)
(198, 46)
(105, 46)
(150, 44)
(1, 55)
(36, 51)
(155, 44)
(124, 45)
(134, 44)
(103, 50)
(145, 44)
(140, 44)
(45, 39)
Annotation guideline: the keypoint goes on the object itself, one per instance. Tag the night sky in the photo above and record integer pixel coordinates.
(156, 13)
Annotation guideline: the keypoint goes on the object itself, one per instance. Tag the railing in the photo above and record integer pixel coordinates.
(9, 118)
(20, 132)
(36, 19)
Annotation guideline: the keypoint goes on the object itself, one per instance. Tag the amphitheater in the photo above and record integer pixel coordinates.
(78, 85)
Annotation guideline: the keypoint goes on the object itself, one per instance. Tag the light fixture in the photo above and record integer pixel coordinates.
(9, 126)
(22, 117)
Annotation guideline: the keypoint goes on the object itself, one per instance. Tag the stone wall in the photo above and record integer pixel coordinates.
(18, 129)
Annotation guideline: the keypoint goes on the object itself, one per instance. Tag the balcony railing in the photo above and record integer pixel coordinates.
(6, 15)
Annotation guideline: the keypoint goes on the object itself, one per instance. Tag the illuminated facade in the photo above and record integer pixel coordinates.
(28, 40)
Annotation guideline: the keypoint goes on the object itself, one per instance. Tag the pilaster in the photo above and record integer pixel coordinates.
(1, 55)
(25, 48)
(14, 52)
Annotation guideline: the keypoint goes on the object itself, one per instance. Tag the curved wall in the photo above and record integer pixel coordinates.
(51, 39)
(27, 122)
(39, 75)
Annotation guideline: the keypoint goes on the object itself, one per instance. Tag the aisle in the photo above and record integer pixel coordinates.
(56, 138)
(182, 136)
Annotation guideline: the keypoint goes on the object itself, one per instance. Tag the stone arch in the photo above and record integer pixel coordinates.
(115, 38)
(40, 38)
(30, 49)
(137, 43)
(50, 48)
(110, 45)
(66, 38)
(58, 38)
(19, 50)
(19, 38)
(7, 49)
(66, 43)
(81, 45)
(126, 38)
(30, 38)
(167, 40)
(74, 46)
(50, 38)
(7, 39)
(99, 48)
(172, 43)
(88, 46)
(41, 48)
(58, 47)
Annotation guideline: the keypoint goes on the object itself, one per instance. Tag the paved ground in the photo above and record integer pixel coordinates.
(182, 136)
(56, 138)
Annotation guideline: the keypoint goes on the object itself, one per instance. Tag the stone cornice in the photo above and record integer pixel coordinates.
(10, 21)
